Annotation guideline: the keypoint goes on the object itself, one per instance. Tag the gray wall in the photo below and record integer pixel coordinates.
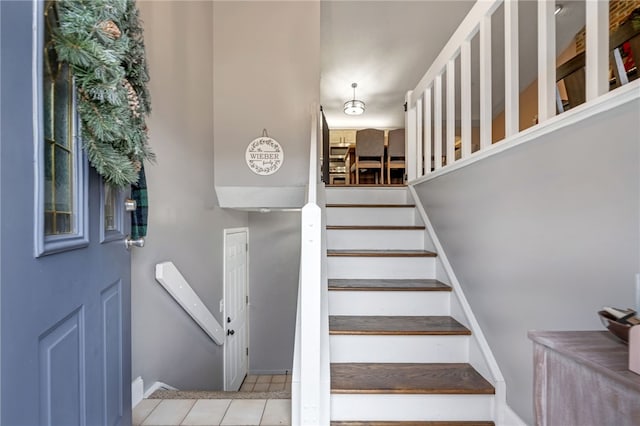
(185, 225)
(266, 74)
(543, 235)
(274, 253)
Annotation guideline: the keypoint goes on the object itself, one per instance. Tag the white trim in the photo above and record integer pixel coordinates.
(157, 386)
(546, 60)
(597, 51)
(227, 232)
(419, 137)
(177, 286)
(410, 139)
(137, 391)
(437, 123)
(512, 67)
(428, 132)
(486, 108)
(451, 111)
(465, 89)
(476, 332)
(618, 97)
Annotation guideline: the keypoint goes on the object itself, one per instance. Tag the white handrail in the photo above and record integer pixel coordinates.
(172, 280)
(478, 22)
(310, 391)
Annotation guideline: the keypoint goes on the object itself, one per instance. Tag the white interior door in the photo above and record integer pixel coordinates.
(236, 353)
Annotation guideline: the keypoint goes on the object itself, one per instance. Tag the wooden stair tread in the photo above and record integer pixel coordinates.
(407, 378)
(380, 253)
(396, 325)
(414, 423)
(376, 227)
(381, 206)
(367, 185)
(387, 285)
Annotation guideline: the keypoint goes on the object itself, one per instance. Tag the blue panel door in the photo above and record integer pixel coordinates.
(65, 339)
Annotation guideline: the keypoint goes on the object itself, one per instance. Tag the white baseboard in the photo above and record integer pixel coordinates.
(511, 418)
(157, 386)
(137, 391)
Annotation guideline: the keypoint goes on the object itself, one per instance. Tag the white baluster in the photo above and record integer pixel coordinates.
(427, 131)
(511, 68)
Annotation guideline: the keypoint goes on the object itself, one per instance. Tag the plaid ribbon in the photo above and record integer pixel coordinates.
(139, 216)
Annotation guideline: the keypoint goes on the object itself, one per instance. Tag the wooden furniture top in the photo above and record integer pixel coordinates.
(599, 350)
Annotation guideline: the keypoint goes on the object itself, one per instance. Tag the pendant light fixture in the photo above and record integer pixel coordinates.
(354, 106)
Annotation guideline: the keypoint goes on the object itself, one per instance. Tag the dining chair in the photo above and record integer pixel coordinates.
(369, 153)
(395, 153)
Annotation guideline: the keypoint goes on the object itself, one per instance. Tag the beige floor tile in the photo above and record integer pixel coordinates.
(289, 378)
(246, 412)
(277, 412)
(170, 412)
(207, 412)
(280, 378)
(261, 387)
(264, 379)
(251, 378)
(246, 387)
(276, 387)
(287, 387)
(143, 409)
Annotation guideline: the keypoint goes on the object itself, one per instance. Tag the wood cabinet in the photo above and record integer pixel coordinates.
(339, 141)
(582, 378)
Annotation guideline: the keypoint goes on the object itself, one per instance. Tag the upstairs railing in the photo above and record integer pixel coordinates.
(439, 133)
(310, 387)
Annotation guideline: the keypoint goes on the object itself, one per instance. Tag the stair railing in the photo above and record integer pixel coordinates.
(310, 387)
(431, 120)
(172, 280)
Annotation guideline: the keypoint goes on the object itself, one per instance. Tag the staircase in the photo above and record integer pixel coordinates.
(397, 355)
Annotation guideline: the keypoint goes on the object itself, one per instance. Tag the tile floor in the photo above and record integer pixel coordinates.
(228, 412)
(266, 383)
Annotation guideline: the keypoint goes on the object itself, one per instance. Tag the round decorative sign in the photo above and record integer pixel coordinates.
(264, 156)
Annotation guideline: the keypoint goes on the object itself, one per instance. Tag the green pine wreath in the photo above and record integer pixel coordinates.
(102, 40)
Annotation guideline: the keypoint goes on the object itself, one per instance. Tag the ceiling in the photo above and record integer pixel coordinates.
(387, 46)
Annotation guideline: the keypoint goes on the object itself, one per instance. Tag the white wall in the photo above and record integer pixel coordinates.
(274, 254)
(185, 223)
(543, 235)
(266, 75)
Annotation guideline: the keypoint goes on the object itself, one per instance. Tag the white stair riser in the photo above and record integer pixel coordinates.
(411, 407)
(371, 216)
(407, 303)
(354, 348)
(412, 239)
(351, 195)
(381, 267)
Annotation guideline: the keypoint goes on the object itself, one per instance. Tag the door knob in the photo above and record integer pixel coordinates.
(133, 243)
(130, 205)
(230, 332)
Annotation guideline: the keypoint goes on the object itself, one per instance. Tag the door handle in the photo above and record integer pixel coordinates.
(230, 332)
(128, 242)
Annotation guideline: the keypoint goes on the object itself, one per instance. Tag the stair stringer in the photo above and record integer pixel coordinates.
(480, 354)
